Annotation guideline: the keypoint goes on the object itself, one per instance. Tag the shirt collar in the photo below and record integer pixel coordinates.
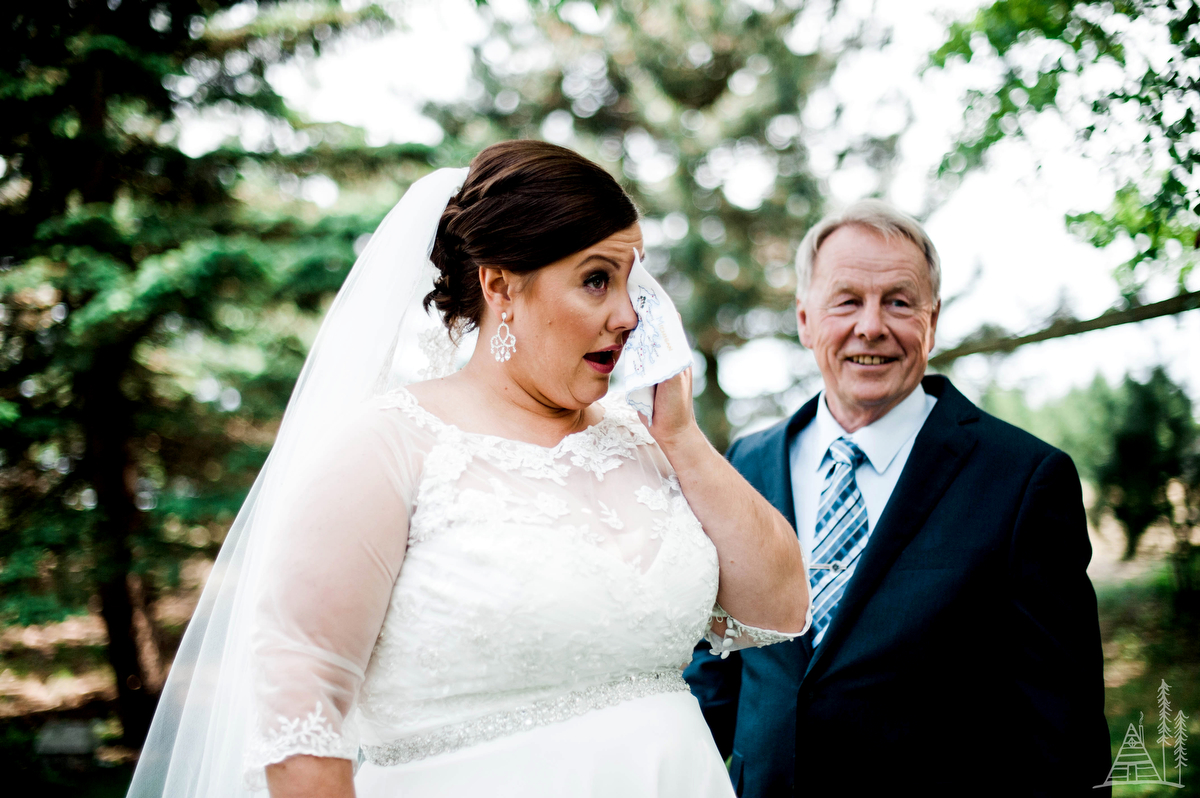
(881, 439)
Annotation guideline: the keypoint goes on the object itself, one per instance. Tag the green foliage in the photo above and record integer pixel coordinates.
(1046, 47)
(1137, 444)
(1153, 436)
(152, 319)
(27, 773)
(1148, 638)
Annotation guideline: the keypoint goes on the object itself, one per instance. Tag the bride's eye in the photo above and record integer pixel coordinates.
(596, 280)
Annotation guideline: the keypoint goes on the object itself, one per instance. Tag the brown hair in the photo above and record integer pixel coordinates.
(524, 205)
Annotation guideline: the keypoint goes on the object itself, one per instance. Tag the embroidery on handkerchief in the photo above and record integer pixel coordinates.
(657, 349)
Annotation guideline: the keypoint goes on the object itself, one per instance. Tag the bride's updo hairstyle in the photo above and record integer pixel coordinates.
(524, 205)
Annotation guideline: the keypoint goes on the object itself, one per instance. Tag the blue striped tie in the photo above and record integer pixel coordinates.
(841, 532)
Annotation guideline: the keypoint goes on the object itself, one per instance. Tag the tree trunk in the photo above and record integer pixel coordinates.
(96, 184)
(712, 404)
(108, 423)
(147, 634)
(1183, 558)
(135, 705)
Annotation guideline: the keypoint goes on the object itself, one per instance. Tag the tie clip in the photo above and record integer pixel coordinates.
(826, 566)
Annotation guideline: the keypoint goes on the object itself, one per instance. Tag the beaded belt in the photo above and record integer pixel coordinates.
(536, 713)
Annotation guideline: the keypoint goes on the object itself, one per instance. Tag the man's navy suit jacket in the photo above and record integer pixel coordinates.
(964, 657)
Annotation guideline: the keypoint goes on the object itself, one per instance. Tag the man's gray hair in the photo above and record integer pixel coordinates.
(875, 215)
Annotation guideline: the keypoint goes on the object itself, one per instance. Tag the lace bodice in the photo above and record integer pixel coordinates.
(441, 587)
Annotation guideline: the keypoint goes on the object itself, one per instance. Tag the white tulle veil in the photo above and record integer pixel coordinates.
(375, 336)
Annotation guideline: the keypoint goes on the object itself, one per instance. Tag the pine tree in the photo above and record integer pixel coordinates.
(152, 321)
(1152, 434)
(1164, 720)
(1181, 737)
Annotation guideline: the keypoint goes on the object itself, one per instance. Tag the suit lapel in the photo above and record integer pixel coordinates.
(938, 454)
(775, 471)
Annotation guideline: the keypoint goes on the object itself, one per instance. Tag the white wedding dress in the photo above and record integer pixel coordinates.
(466, 615)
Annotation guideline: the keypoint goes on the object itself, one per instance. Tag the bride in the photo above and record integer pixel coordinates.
(488, 582)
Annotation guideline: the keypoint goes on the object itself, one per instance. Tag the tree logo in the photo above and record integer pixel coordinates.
(1135, 765)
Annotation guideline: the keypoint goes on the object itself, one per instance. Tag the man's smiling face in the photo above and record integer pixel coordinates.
(869, 316)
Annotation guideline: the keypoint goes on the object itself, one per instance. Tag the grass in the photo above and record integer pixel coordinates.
(61, 660)
(1149, 637)
(27, 774)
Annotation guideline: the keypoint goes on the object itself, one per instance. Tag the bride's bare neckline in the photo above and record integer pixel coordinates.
(417, 403)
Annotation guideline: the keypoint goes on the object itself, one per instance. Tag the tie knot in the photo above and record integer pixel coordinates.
(846, 452)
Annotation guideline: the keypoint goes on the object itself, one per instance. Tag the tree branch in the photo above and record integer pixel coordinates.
(1060, 329)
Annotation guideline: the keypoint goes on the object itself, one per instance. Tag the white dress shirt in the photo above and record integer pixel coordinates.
(886, 442)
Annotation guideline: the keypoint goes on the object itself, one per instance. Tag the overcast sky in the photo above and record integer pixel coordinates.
(1005, 220)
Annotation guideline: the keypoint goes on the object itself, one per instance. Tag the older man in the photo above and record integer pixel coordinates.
(954, 648)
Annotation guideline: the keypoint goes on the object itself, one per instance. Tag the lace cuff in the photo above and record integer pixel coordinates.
(313, 735)
(738, 635)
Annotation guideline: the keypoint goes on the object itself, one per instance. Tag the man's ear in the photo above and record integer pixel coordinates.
(802, 323)
(933, 318)
(497, 287)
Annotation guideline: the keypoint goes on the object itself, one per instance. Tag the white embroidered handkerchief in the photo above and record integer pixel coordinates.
(657, 349)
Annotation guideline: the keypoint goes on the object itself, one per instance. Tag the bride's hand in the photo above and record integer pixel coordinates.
(674, 415)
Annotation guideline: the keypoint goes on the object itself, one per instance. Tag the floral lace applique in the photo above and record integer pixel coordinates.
(609, 516)
(526, 459)
(665, 498)
(584, 532)
(624, 416)
(741, 635)
(502, 505)
(598, 449)
(551, 506)
(313, 735)
(439, 349)
(656, 500)
(405, 401)
(436, 495)
(601, 447)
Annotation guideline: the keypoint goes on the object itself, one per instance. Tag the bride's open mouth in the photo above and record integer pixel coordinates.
(605, 360)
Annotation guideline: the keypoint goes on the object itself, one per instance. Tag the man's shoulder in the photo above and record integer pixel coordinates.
(1003, 441)
(998, 439)
(755, 443)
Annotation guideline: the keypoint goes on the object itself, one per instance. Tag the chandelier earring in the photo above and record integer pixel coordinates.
(504, 343)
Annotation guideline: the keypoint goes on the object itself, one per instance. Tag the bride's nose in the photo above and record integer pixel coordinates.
(623, 317)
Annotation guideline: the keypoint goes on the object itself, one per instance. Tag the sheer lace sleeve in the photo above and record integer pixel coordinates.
(321, 609)
(738, 635)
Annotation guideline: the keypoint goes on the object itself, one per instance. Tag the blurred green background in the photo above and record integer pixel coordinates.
(157, 298)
